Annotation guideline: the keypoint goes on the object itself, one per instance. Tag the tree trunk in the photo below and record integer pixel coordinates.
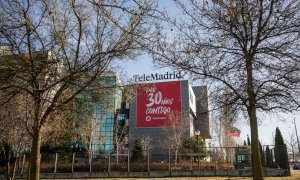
(293, 155)
(257, 171)
(34, 169)
(8, 166)
(13, 171)
(176, 157)
(255, 158)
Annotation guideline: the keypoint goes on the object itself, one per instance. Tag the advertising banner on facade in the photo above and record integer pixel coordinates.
(158, 104)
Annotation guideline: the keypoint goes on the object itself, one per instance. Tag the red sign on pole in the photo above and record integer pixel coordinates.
(234, 132)
(158, 104)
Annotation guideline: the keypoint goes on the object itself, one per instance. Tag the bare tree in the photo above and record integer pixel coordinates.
(57, 133)
(176, 132)
(88, 132)
(225, 122)
(120, 132)
(251, 46)
(146, 141)
(58, 48)
(292, 144)
(14, 135)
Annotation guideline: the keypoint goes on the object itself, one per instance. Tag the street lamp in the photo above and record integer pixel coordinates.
(197, 133)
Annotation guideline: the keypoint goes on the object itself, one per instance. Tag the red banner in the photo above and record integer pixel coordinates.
(158, 104)
(234, 132)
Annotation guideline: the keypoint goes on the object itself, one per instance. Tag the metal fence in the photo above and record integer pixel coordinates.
(209, 159)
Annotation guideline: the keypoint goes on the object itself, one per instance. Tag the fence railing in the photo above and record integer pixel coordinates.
(209, 159)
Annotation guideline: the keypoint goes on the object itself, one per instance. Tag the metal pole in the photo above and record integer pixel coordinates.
(90, 163)
(191, 155)
(73, 160)
(148, 161)
(197, 133)
(215, 162)
(109, 162)
(128, 161)
(198, 152)
(170, 161)
(55, 164)
(297, 140)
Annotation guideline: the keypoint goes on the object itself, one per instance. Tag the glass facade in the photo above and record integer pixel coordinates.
(97, 110)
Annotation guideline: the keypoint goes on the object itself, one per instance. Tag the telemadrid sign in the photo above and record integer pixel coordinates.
(158, 77)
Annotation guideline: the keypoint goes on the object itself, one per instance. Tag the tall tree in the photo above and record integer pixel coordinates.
(292, 143)
(278, 137)
(262, 155)
(137, 151)
(269, 158)
(281, 155)
(251, 46)
(248, 141)
(58, 48)
(193, 145)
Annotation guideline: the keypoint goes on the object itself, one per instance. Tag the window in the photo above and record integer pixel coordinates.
(243, 158)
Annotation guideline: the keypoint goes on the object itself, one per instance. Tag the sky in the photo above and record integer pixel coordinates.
(268, 123)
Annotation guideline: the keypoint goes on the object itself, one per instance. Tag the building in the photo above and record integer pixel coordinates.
(156, 112)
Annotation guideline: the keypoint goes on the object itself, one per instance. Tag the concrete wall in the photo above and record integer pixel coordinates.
(158, 174)
(202, 121)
